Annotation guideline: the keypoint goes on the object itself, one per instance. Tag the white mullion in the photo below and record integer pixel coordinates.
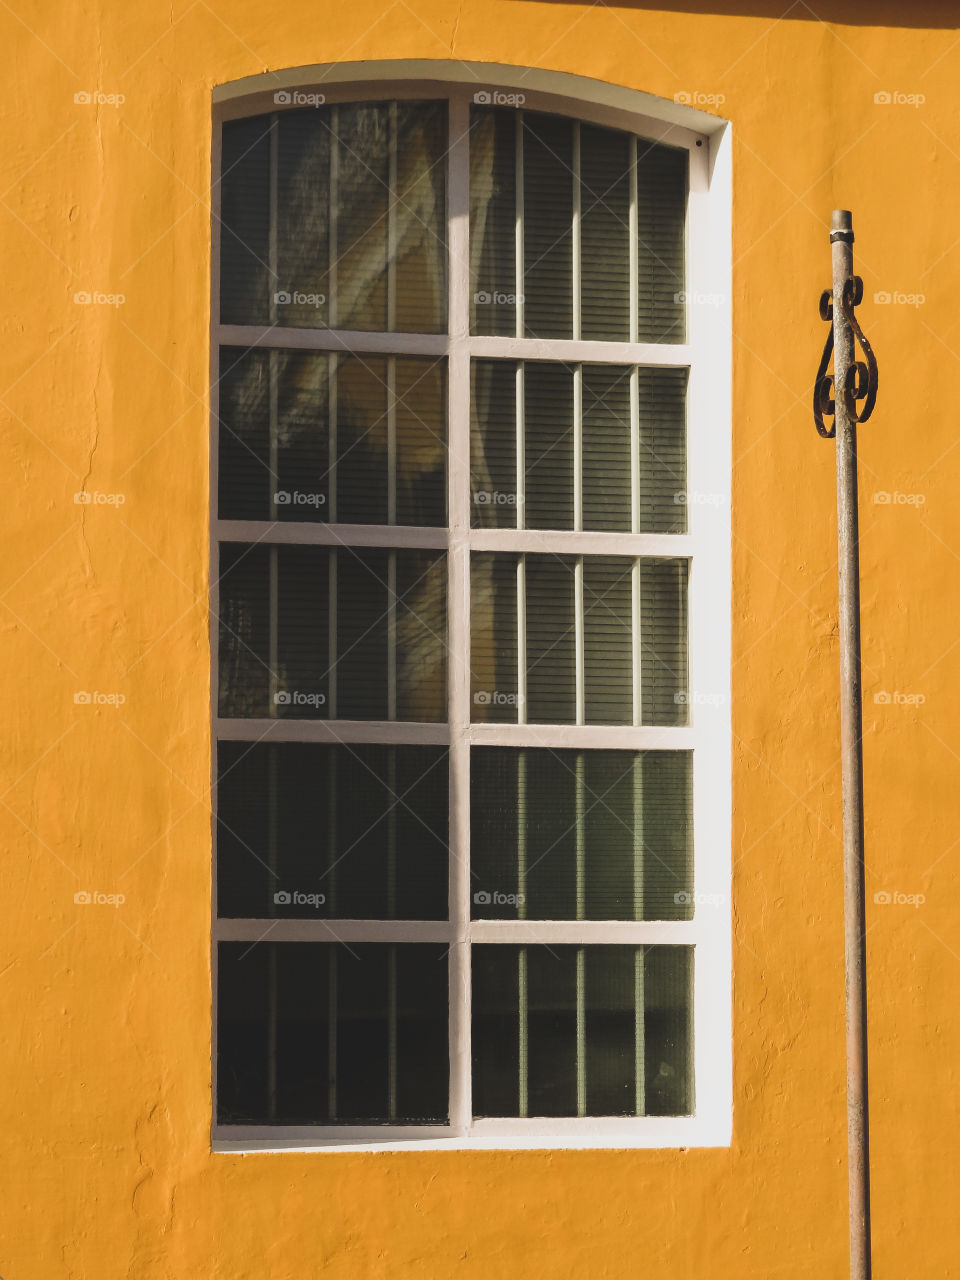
(458, 610)
(635, 450)
(392, 221)
(639, 1032)
(272, 989)
(580, 809)
(332, 1017)
(503, 347)
(333, 372)
(521, 801)
(577, 266)
(634, 248)
(579, 656)
(638, 838)
(581, 998)
(392, 833)
(511, 932)
(332, 842)
(391, 390)
(523, 1032)
(521, 639)
(273, 643)
(637, 642)
(391, 635)
(334, 217)
(272, 982)
(392, 1031)
(273, 263)
(518, 225)
(332, 682)
(578, 448)
(521, 439)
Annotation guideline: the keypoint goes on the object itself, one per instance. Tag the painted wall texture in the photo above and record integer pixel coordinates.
(105, 1162)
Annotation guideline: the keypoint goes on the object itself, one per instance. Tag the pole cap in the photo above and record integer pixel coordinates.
(841, 226)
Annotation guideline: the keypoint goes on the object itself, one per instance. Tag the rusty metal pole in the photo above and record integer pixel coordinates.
(851, 732)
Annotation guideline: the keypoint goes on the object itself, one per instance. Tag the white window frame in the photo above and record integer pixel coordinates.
(707, 355)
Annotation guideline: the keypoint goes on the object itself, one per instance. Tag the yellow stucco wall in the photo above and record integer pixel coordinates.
(105, 1162)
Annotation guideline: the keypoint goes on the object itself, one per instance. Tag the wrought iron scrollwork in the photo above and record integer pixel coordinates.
(860, 383)
(823, 402)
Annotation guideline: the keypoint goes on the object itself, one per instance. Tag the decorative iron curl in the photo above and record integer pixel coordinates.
(861, 379)
(823, 402)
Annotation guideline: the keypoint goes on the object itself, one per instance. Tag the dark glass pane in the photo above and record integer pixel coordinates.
(245, 480)
(345, 478)
(493, 444)
(661, 501)
(661, 218)
(420, 213)
(668, 1030)
(302, 294)
(493, 637)
(363, 142)
(360, 218)
(244, 629)
(548, 434)
(606, 448)
(551, 640)
(663, 614)
(245, 283)
(361, 470)
(608, 639)
(493, 167)
(421, 631)
(421, 412)
(605, 158)
(315, 1033)
(363, 592)
(565, 835)
(548, 226)
(495, 1033)
(634, 1055)
(389, 656)
(303, 661)
(551, 1015)
(322, 831)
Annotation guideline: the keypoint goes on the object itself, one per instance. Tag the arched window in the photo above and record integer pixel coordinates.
(470, 565)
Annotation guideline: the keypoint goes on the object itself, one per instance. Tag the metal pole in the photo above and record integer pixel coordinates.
(851, 733)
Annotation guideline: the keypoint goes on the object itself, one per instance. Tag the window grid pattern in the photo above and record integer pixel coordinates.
(461, 541)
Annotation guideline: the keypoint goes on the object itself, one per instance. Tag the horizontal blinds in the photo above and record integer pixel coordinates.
(581, 835)
(555, 639)
(561, 196)
(632, 442)
(589, 1031)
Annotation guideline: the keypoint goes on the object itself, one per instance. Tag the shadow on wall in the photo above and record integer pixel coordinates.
(933, 14)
